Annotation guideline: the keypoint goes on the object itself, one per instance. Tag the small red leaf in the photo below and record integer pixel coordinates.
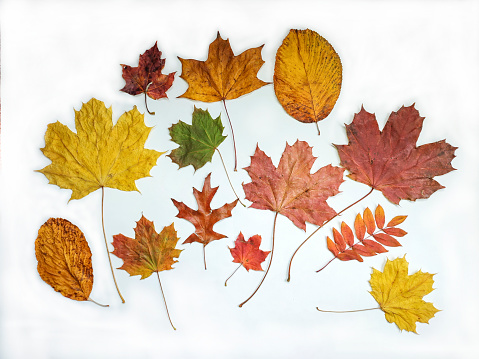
(396, 220)
(379, 214)
(339, 240)
(359, 227)
(387, 240)
(248, 253)
(332, 247)
(347, 233)
(369, 221)
(375, 246)
(397, 232)
(364, 251)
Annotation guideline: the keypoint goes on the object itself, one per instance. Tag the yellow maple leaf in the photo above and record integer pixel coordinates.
(307, 76)
(400, 295)
(223, 76)
(99, 154)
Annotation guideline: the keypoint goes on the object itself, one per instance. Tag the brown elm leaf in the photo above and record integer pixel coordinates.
(248, 253)
(389, 160)
(291, 189)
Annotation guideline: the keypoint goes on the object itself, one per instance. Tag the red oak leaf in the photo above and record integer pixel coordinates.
(248, 253)
(204, 218)
(389, 161)
(147, 77)
(290, 189)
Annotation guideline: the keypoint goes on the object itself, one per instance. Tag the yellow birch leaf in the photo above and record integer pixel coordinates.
(400, 295)
(64, 259)
(99, 154)
(307, 76)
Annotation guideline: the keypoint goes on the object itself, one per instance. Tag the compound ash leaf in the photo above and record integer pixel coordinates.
(307, 76)
(400, 296)
(389, 160)
(148, 252)
(64, 259)
(290, 189)
(223, 76)
(99, 155)
(247, 253)
(204, 218)
(147, 77)
(197, 141)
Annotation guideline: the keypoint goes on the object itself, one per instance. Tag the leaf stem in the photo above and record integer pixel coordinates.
(204, 255)
(227, 176)
(101, 305)
(321, 226)
(106, 243)
(233, 135)
(146, 104)
(163, 294)
(317, 126)
(346, 311)
(269, 264)
(232, 274)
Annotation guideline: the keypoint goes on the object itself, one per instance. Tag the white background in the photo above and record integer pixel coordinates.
(58, 54)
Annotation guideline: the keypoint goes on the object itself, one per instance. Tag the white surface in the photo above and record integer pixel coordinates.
(57, 54)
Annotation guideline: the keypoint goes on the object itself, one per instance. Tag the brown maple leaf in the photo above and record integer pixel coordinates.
(147, 77)
(290, 189)
(204, 218)
(389, 160)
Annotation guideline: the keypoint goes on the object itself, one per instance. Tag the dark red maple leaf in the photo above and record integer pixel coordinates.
(147, 77)
(204, 218)
(247, 253)
(389, 160)
(290, 189)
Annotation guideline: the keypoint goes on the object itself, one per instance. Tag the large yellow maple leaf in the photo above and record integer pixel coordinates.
(99, 154)
(400, 295)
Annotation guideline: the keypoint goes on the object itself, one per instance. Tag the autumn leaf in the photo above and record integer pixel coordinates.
(197, 141)
(204, 218)
(99, 155)
(223, 76)
(64, 259)
(400, 295)
(148, 252)
(290, 189)
(147, 77)
(389, 160)
(307, 76)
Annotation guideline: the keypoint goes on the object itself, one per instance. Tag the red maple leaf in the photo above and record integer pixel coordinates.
(389, 161)
(248, 253)
(290, 189)
(147, 77)
(204, 218)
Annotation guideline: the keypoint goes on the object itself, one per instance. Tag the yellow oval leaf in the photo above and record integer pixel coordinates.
(307, 76)
(64, 258)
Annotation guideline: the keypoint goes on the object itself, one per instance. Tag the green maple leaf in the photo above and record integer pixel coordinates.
(197, 141)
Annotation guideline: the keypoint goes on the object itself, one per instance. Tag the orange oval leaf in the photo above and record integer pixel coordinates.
(369, 221)
(397, 232)
(379, 214)
(396, 220)
(387, 240)
(359, 227)
(347, 234)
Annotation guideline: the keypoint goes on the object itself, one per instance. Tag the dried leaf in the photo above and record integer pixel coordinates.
(64, 259)
(307, 76)
(369, 221)
(197, 141)
(223, 76)
(389, 161)
(290, 189)
(400, 295)
(379, 214)
(248, 253)
(99, 154)
(359, 227)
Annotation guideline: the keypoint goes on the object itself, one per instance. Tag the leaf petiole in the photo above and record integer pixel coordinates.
(232, 135)
(101, 305)
(233, 273)
(346, 311)
(228, 177)
(163, 294)
(146, 104)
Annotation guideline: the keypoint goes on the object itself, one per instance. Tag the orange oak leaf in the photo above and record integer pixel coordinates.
(147, 77)
(148, 252)
(291, 189)
(204, 218)
(389, 160)
(247, 253)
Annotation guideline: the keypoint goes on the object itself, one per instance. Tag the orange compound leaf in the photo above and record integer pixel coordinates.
(204, 218)
(389, 160)
(379, 214)
(359, 227)
(291, 189)
(247, 253)
(347, 233)
(396, 221)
